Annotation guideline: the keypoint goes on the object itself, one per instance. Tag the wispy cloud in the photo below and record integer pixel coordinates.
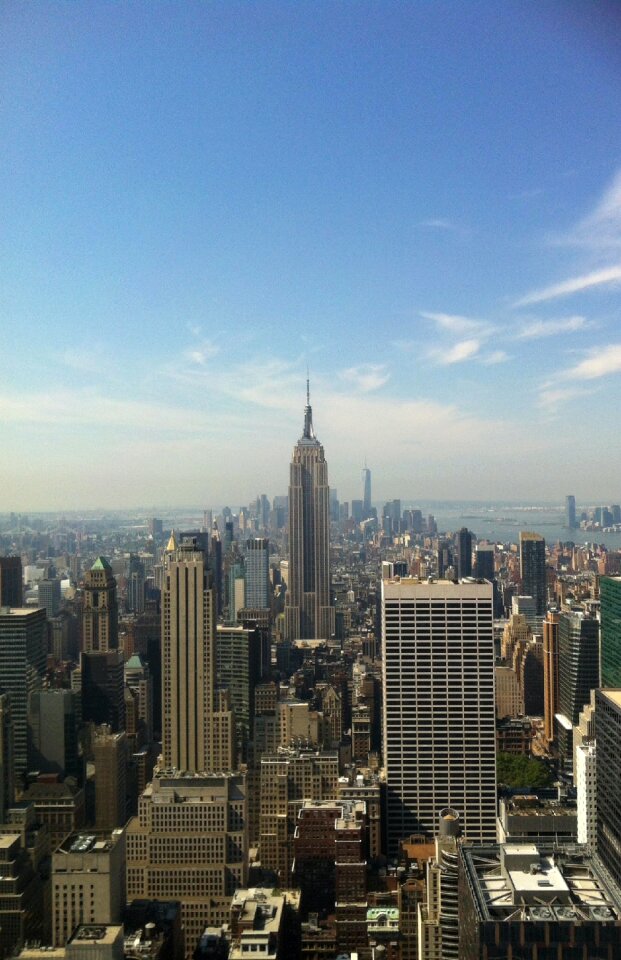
(439, 223)
(598, 278)
(202, 352)
(537, 329)
(496, 356)
(601, 362)
(456, 323)
(367, 376)
(601, 229)
(552, 398)
(460, 351)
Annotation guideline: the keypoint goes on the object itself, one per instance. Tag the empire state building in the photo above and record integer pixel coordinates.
(308, 613)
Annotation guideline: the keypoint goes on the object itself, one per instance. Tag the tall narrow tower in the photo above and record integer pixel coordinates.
(198, 728)
(101, 614)
(366, 479)
(308, 613)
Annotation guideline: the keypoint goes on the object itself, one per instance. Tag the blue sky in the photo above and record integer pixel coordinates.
(421, 201)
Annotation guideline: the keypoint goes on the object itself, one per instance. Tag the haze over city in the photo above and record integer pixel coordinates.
(420, 203)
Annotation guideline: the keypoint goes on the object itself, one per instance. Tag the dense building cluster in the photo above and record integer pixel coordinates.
(311, 729)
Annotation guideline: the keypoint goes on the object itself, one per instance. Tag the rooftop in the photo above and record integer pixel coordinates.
(524, 881)
(614, 695)
(99, 934)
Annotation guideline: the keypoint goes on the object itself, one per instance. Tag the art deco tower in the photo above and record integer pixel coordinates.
(198, 726)
(308, 614)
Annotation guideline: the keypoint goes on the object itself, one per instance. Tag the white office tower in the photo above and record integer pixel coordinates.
(439, 724)
(586, 785)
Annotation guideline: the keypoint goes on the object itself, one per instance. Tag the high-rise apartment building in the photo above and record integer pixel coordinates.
(49, 596)
(11, 582)
(23, 651)
(288, 778)
(570, 512)
(238, 669)
(464, 553)
(100, 620)
(88, 885)
(308, 611)
(53, 729)
(103, 688)
(610, 616)
(533, 569)
(198, 735)
(366, 498)
(7, 775)
(608, 778)
(586, 793)
(189, 843)
(111, 756)
(439, 720)
(578, 659)
(550, 675)
(257, 594)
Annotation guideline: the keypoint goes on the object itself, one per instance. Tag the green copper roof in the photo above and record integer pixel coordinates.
(101, 564)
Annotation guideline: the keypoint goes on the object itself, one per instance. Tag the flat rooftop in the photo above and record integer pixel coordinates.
(541, 882)
(614, 695)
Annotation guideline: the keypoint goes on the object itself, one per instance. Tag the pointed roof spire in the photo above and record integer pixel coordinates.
(172, 543)
(309, 433)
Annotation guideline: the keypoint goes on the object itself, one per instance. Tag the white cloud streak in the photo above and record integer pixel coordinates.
(367, 376)
(601, 362)
(598, 278)
(455, 323)
(537, 329)
(463, 350)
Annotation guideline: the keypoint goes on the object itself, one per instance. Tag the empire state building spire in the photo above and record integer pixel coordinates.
(308, 611)
(309, 433)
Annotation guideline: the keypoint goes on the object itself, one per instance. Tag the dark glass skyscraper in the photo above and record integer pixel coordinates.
(610, 598)
(608, 766)
(578, 664)
(464, 553)
(533, 569)
(570, 511)
(308, 612)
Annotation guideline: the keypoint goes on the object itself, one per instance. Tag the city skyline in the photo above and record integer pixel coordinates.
(420, 202)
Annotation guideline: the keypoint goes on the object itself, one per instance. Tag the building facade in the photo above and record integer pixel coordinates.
(533, 569)
(100, 619)
(439, 711)
(23, 652)
(608, 776)
(610, 600)
(308, 610)
(198, 736)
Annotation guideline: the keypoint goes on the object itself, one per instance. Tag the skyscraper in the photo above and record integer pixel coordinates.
(366, 480)
(608, 778)
(578, 665)
(197, 735)
(610, 597)
(464, 553)
(550, 675)
(257, 573)
(11, 585)
(570, 511)
(533, 569)
(308, 612)
(439, 712)
(23, 650)
(100, 621)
